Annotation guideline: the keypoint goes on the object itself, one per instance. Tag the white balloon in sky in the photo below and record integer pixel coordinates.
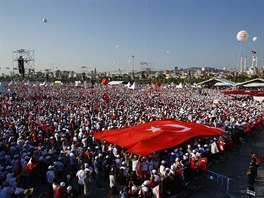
(117, 46)
(168, 51)
(255, 39)
(45, 20)
(242, 36)
(114, 63)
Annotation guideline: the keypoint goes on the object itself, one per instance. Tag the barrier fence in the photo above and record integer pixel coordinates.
(230, 187)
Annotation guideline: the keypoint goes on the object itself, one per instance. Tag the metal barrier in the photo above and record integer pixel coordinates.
(230, 187)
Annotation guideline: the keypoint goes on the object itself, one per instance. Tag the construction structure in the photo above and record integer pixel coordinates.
(29, 61)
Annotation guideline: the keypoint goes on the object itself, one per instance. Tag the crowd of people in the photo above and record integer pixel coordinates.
(46, 134)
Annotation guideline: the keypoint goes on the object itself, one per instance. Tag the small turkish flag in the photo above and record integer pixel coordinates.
(221, 144)
(202, 163)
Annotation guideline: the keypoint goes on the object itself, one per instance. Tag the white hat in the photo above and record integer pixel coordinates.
(62, 184)
(133, 188)
(69, 188)
(167, 169)
(50, 167)
(154, 171)
(163, 162)
(146, 183)
(87, 170)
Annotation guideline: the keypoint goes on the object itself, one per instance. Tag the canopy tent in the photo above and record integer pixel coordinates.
(128, 84)
(134, 86)
(157, 135)
(180, 86)
(222, 84)
(217, 82)
(57, 83)
(254, 83)
(115, 82)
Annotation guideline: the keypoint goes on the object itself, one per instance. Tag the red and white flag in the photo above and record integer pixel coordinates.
(221, 144)
(202, 163)
(30, 166)
(156, 192)
(157, 135)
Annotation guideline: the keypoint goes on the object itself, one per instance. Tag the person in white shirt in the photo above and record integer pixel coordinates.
(80, 175)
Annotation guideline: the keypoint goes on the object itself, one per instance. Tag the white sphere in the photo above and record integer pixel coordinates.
(203, 69)
(117, 46)
(255, 39)
(168, 51)
(242, 36)
(45, 20)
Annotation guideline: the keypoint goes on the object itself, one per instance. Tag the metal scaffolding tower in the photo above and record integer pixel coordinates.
(29, 61)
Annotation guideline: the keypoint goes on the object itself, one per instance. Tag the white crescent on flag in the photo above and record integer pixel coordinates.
(159, 128)
(184, 128)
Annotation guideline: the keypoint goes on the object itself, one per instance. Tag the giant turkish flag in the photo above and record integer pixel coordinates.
(157, 135)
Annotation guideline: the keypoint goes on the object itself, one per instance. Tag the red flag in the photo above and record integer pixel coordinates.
(221, 144)
(202, 163)
(30, 166)
(106, 97)
(193, 163)
(156, 192)
(153, 136)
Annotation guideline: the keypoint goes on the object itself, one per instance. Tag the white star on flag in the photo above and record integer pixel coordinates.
(154, 129)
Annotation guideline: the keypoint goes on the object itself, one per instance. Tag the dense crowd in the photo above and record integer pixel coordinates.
(46, 133)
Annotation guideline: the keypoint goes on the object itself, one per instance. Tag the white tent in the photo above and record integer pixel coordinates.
(77, 83)
(180, 86)
(115, 82)
(128, 84)
(134, 86)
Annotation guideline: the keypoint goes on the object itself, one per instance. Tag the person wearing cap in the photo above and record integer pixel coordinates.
(107, 162)
(50, 175)
(61, 191)
(162, 167)
(113, 184)
(70, 193)
(145, 190)
(88, 181)
(80, 175)
(98, 169)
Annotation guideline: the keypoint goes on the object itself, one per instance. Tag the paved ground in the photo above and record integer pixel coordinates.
(234, 166)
